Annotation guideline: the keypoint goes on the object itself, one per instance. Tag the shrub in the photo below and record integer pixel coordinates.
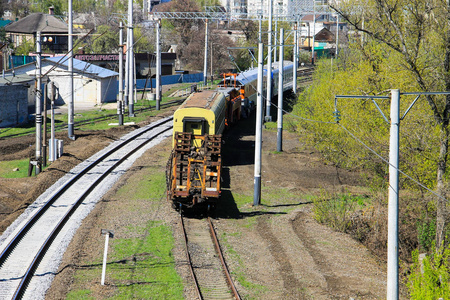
(336, 210)
(430, 279)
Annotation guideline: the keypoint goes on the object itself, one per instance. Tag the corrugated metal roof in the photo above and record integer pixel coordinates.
(82, 67)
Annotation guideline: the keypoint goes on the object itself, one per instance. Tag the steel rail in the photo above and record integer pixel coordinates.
(17, 238)
(188, 256)
(106, 117)
(222, 260)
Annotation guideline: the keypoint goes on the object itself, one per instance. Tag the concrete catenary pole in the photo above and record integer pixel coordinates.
(392, 259)
(205, 62)
(268, 117)
(258, 135)
(280, 94)
(127, 70)
(337, 36)
(52, 126)
(158, 64)
(276, 42)
(70, 111)
(38, 104)
(130, 55)
(294, 77)
(120, 102)
(313, 35)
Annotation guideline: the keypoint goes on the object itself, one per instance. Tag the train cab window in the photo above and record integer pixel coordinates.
(196, 126)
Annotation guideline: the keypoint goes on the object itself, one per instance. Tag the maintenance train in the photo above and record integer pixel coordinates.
(193, 171)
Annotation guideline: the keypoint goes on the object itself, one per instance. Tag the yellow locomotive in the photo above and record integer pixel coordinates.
(194, 168)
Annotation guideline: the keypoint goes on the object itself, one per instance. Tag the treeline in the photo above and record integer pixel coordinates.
(403, 45)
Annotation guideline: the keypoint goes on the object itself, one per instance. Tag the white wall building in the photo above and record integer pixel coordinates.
(92, 84)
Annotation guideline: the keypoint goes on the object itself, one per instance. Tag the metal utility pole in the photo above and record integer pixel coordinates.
(38, 105)
(205, 63)
(258, 135)
(130, 56)
(392, 259)
(268, 117)
(120, 109)
(280, 94)
(294, 77)
(70, 123)
(158, 64)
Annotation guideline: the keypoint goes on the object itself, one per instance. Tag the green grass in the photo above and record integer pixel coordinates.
(6, 168)
(153, 188)
(148, 261)
(140, 265)
(79, 294)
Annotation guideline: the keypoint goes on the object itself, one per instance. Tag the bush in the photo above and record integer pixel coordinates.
(426, 231)
(430, 279)
(336, 210)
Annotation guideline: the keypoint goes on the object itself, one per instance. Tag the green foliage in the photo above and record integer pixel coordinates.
(107, 41)
(426, 231)
(25, 48)
(143, 43)
(431, 278)
(59, 6)
(373, 70)
(336, 210)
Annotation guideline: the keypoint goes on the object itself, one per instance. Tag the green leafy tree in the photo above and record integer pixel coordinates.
(107, 40)
(25, 48)
(418, 35)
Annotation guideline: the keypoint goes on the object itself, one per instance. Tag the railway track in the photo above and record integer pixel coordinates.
(305, 75)
(32, 247)
(208, 268)
(98, 119)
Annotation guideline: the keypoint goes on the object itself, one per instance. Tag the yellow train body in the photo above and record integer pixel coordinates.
(202, 113)
(195, 165)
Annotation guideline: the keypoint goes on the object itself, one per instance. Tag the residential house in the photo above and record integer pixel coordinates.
(53, 30)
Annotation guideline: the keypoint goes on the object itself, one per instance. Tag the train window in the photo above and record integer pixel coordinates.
(194, 126)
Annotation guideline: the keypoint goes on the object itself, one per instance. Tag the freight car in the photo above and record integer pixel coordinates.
(195, 164)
